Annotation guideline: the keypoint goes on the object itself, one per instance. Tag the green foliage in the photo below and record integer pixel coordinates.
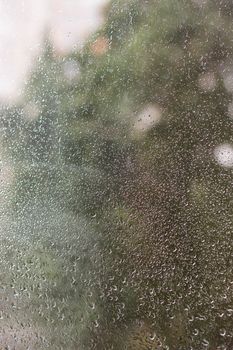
(161, 204)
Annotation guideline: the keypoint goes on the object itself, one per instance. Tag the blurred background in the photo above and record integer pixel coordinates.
(24, 25)
(116, 159)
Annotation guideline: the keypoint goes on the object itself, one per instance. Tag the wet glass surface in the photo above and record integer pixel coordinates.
(116, 215)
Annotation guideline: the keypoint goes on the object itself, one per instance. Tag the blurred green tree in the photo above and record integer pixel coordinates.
(139, 126)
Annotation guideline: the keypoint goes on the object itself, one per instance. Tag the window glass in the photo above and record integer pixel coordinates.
(116, 173)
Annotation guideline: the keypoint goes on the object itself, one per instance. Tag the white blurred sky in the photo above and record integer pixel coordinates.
(23, 24)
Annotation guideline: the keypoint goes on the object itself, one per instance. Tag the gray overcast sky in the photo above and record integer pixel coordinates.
(22, 25)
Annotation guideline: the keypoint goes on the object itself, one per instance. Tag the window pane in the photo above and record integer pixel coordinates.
(116, 136)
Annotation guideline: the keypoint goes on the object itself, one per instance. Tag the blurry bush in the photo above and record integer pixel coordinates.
(130, 143)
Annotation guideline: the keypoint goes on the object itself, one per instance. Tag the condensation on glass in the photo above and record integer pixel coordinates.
(116, 173)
